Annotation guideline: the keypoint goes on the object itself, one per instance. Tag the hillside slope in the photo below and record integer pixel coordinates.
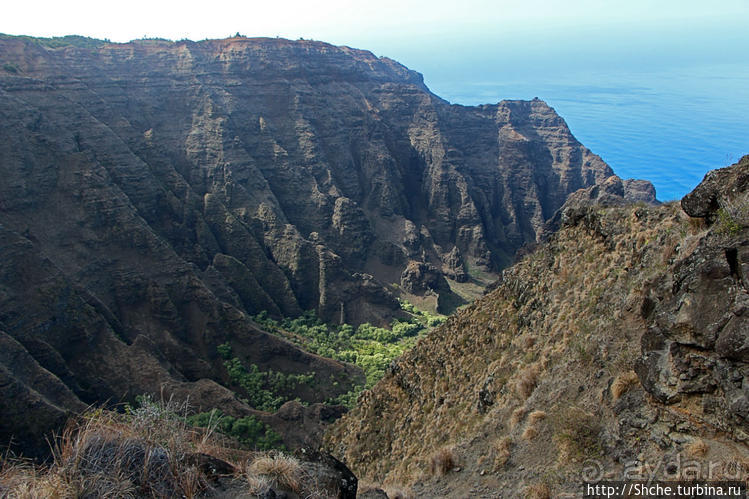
(616, 349)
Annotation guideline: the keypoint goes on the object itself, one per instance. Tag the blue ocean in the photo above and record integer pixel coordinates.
(667, 125)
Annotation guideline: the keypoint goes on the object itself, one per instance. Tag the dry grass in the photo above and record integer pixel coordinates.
(536, 416)
(502, 448)
(258, 485)
(143, 453)
(698, 448)
(397, 492)
(527, 382)
(517, 416)
(22, 480)
(623, 383)
(576, 434)
(530, 432)
(442, 461)
(538, 491)
(365, 486)
(281, 470)
(575, 298)
(148, 452)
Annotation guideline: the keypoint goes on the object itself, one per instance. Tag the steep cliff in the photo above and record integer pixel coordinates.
(154, 195)
(616, 350)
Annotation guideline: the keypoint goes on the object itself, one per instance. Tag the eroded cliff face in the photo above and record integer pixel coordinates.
(153, 195)
(291, 171)
(616, 350)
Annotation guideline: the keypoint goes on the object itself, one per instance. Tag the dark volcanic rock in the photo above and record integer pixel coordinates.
(332, 476)
(419, 277)
(716, 188)
(698, 340)
(611, 192)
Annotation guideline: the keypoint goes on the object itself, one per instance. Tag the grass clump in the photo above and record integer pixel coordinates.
(527, 382)
(576, 434)
(502, 452)
(442, 461)
(623, 383)
(698, 448)
(538, 491)
(733, 215)
(153, 449)
(144, 452)
(278, 470)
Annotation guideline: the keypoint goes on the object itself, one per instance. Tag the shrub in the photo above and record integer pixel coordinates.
(369, 347)
(576, 434)
(266, 390)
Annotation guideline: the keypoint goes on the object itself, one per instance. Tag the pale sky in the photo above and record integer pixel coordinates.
(349, 22)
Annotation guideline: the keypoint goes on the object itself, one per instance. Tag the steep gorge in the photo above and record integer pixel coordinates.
(154, 195)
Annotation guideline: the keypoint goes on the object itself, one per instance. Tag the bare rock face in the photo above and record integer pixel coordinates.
(153, 195)
(717, 187)
(697, 344)
(613, 191)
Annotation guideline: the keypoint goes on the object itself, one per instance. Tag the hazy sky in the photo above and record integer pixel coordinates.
(345, 21)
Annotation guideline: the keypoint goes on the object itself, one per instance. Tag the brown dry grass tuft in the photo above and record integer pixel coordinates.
(442, 461)
(517, 416)
(282, 470)
(527, 382)
(623, 383)
(502, 448)
(698, 448)
(538, 491)
(143, 453)
(397, 492)
(530, 432)
(536, 416)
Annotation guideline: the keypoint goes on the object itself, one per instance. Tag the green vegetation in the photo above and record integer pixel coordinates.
(369, 347)
(11, 68)
(266, 389)
(733, 216)
(247, 430)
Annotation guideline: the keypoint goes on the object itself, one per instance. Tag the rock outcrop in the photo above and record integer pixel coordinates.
(696, 348)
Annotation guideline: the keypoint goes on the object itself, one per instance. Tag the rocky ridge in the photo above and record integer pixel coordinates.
(615, 350)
